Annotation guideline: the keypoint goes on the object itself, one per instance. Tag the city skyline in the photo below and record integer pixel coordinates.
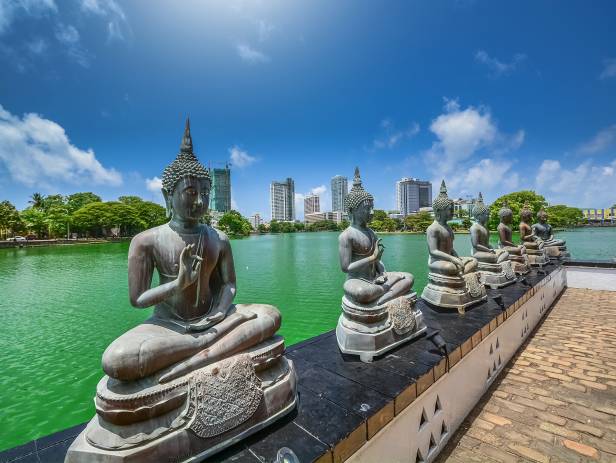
(95, 94)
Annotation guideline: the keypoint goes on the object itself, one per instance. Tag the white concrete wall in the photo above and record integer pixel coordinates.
(591, 278)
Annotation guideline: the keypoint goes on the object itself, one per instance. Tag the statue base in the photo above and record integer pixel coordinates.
(220, 404)
(371, 331)
(454, 292)
(537, 260)
(496, 275)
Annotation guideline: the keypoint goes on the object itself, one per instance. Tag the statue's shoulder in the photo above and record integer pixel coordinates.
(147, 237)
(218, 235)
(346, 235)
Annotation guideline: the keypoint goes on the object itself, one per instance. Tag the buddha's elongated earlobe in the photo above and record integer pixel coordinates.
(168, 208)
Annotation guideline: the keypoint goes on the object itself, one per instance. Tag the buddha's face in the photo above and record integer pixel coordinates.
(190, 198)
(444, 215)
(506, 218)
(482, 217)
(363, 213)
(543, 217)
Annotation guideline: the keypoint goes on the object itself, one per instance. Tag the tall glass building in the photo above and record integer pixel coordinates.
(220, 195)
(411, 194)
(282, 200)
(340, 189)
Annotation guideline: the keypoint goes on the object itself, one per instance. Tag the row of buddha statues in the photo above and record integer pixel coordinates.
(203, 372)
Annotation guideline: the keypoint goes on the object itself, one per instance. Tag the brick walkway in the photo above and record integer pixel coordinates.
(556, 400)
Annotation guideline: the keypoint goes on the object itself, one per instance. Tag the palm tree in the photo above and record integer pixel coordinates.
(37, 200)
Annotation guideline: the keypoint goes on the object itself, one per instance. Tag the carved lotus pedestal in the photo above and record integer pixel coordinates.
(454, 292)
(536, 257)
(556, 252)
(192, 417)
(496, 275)
(370, 331)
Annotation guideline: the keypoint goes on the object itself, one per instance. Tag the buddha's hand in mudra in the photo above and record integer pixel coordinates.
(378, 250)
(190, 266)
(458, 263)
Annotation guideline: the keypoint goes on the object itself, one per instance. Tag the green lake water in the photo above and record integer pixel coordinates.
(61, 307)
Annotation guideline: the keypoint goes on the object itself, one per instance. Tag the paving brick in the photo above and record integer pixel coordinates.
(496, 419)
(580, 448)
(529, 453)
(559, 430)
(587, 429)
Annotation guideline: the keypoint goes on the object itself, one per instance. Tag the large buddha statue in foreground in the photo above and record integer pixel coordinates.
(517, 253)
(378, 307)
(494, 265)
(534, 245)
(554, 247)
(453, 282)
(201, 372)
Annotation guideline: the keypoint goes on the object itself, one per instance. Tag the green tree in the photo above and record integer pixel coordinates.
(150, 213)
(76, 201)
(275, 226)
(515, 201)
(262, 228)
(52, 201)
(36, 200)
(343, 225)
(560, 216)
(234, 224)
(322, 225)
(34, 221)
(466, 223)
(418, 222)
(58, 221)
(10, 222)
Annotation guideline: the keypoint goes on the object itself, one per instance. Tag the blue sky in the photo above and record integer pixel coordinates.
(492, 96)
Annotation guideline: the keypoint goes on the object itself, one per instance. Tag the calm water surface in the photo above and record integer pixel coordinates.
(62, 306)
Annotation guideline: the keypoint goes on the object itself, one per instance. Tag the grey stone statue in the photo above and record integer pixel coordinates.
(494, 267)
(378, 307)
(202, 372)
(517, 253)
(534, 245)
(554, 247)
(453, 282)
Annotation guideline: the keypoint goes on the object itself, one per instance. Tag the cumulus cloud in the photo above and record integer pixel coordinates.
(240, 158)
(154, 184)
(600, 142)
(486, 175)
(497, 67)
(584, 185)
(117, 24)
(319, 190)
(251, 55)
(391, 136)
(11, 10)
(37, 151)
(609, 69)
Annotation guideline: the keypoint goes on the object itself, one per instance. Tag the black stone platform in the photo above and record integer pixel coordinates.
(343, 402)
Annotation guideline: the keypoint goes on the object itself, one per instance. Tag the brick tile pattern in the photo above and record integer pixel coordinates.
(556, 400)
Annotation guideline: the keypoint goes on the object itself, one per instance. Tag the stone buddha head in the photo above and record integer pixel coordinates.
(443, 205)
(186, 183)
(542, 216)
(505, 214)
(359, 203)
(481, 212)
(526, 213)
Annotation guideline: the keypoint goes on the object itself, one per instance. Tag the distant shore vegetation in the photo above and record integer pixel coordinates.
(85, 214)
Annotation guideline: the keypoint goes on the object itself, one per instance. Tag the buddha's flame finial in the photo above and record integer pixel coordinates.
(357, 178)
(443, 190)
(187, 145)
(480, 199)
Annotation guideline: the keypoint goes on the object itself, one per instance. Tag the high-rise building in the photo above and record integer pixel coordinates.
(220, 194)
(311, 203)
(340, 189)
(282, 200)
(412, 194)
(255, 220)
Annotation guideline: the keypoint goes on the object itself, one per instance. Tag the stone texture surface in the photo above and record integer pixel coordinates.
(556, 400)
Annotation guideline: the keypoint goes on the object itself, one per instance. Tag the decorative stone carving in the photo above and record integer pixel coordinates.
(202, 372)
(494, 266)
(378, 307)
(452, 282)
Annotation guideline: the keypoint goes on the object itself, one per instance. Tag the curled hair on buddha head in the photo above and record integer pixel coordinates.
(185, 164)
(526, 213)
(505, 211)
(442, 202)
(357, 195)
(480, 208)
(542, 214)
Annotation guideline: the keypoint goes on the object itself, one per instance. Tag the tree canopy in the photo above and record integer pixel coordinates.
(515, 201)
(234, 224)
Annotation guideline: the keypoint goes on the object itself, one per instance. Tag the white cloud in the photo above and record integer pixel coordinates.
(154, 184)
(609, 69)
(69, 36)
(319, 190)
(600, 142)
(37, 151)
(584, 185)
(251, 55)
(10, 10)
(117, 23)
(487, 175)
(264, 29)
(37, 46)
(240, 158)
(391, 136)
(496, 66)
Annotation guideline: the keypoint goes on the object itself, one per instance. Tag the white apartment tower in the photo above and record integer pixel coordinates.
(282, 200)
(340, 189)
(411, 194)
(311, 204)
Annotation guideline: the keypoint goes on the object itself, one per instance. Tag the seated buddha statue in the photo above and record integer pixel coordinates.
(517, 253)
(452, 280)
(554, 247)
(533, 244)
(494, 265)
(378, 306)
(201, 372)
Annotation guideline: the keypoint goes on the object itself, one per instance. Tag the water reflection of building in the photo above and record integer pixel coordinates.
(312, 204)
(255, 220)
(340, 189)
(220, 195)
(412, 194)
(282, 200)
(600, 215)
